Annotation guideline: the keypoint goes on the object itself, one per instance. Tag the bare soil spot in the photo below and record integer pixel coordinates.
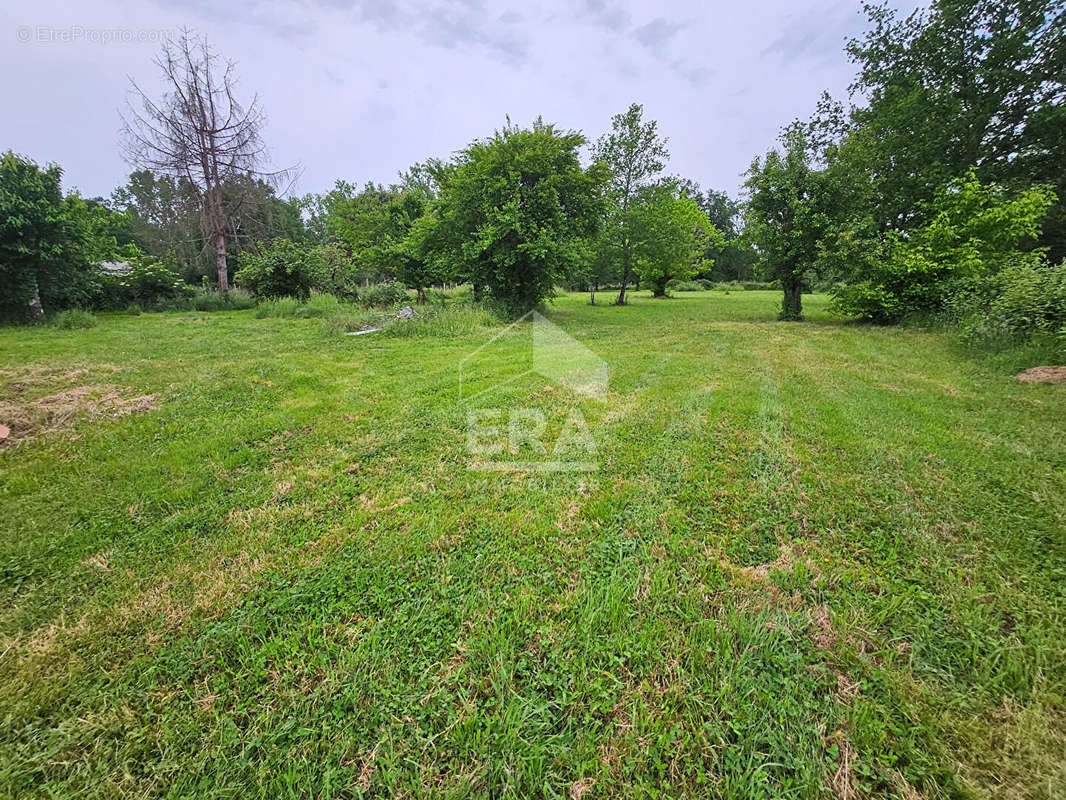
(1042, 375)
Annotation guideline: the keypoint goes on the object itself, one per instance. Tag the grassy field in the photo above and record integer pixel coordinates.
(249, 559)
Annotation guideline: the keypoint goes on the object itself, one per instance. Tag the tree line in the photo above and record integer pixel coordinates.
(935, 188)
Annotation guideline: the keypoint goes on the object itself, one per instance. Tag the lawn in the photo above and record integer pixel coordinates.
(815, 560)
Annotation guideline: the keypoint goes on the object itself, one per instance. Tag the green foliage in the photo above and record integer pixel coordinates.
(214, 300)
(973, 232)
(634, 156)
(515, 214)
(689, 286)
(73, 319)
(286, 268)
(383, 295)
(149, 284)
(376, 226)
(48, 242)
(962, 83)
(670, 235)
(787, 210)
(1026, 299)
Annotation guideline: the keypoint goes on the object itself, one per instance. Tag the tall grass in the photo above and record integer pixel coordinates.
(73, 318)
(451, 320)
(317, 305)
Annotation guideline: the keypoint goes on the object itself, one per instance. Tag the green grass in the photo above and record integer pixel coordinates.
(816, 559)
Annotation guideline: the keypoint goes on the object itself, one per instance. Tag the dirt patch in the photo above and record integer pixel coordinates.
(1042, 375)
(27, 417)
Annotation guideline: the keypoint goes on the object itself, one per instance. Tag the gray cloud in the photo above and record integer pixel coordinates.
(360, 89)
(817, 35)
(451, 27)
(657, 33)
(607, 14)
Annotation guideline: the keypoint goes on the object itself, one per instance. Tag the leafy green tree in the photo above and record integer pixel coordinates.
(163, 217)
(635, 156)
(515, 213)
(961, 84)
(974, 231)
(49, 244)
(732, 258)
(283, 269)
(787, 215)
(670, 235)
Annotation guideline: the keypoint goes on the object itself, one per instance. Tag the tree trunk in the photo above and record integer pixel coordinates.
(592, 294)
(626, 267)
(792, 305)
(421, 295)
(36, 309)
(477, 292)
(220, 262)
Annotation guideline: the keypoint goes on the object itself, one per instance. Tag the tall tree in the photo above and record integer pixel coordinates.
(670, 234)
(786, 215)
(635, 155)
(48, 242)
(960, 84)
(514, 213)
(201, 133)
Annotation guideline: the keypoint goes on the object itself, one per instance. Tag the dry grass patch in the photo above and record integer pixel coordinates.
(35, 399)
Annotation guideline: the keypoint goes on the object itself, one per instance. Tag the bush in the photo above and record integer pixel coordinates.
(383, 295)
(72, 319)
(149, 284)
(286, 269)
(975, 232)
(1027, 299)
(134, 310)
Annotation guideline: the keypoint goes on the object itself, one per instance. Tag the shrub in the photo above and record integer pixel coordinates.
(134, 310)
(72, 319)
(383, 295)
(975, 232)
(286, 269)
(150, 283)
(1026, 299)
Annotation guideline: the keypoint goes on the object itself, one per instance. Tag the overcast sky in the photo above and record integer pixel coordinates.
(360, 89)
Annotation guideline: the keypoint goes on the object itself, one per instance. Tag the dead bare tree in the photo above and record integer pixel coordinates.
(198, 130)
